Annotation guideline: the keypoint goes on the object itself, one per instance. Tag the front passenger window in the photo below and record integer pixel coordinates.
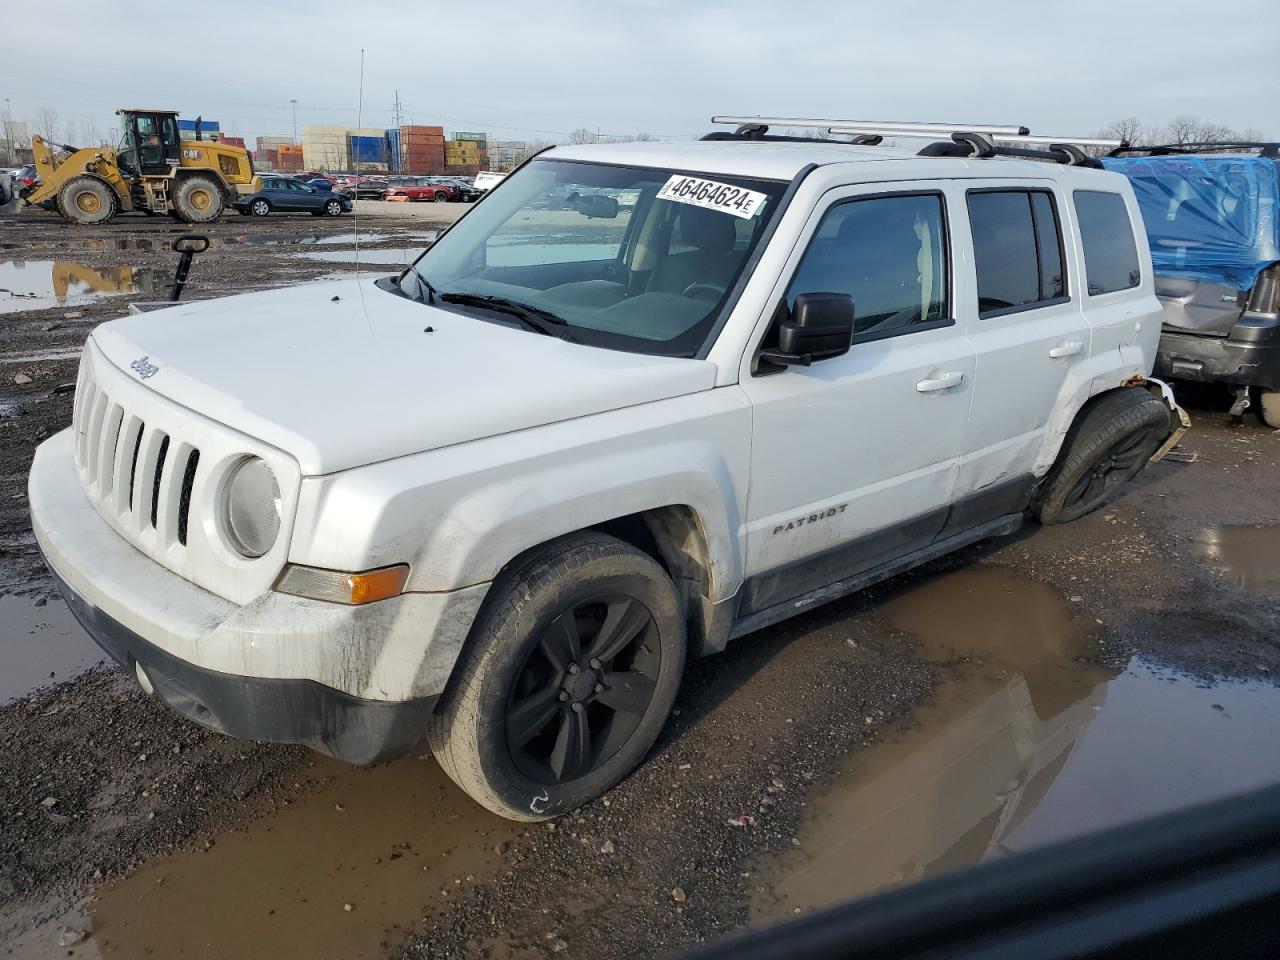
(889, 254)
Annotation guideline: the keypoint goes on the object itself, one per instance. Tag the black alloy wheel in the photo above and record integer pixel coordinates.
(583, 689)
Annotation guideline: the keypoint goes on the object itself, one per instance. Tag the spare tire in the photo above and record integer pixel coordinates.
(198, 199)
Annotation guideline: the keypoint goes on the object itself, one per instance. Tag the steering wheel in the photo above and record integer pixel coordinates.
(699, 288)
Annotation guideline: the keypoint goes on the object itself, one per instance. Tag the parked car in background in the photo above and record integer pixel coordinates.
(464, 188)
(26, 180)
(1212, 214)
(421, 188)
(486, 180)
(285, 195)
(365, 190)
(319, 183)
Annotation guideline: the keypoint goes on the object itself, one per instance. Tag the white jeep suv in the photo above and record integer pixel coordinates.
(494, 501)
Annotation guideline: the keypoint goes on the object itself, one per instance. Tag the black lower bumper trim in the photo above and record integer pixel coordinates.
(348, 728)
(1216, 359)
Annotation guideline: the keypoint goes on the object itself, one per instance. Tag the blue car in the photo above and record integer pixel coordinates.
(284, 195)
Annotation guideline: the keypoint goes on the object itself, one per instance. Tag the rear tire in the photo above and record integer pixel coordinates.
(87, 201)
(1105, 449)
(1269, 408)
(569, 674)
(198, 199)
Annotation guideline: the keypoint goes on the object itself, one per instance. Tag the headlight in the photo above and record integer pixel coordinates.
(251, 507)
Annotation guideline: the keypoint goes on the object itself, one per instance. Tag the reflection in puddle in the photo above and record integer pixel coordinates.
(375, 258)
(1248, 556)
(1029, 745)
(385, 840)
(40, 645)
(40, 284)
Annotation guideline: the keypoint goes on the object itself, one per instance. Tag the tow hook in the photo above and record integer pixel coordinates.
(188, 245)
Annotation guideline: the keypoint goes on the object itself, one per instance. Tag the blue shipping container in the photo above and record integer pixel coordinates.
(368, 149)
(393, 143)
(206, 126)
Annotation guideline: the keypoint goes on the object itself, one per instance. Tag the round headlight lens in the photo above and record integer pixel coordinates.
(252, 507)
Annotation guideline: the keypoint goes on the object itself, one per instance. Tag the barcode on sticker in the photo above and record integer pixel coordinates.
(725, 197)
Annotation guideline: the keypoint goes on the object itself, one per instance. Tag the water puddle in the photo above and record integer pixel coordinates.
(1031, 744)
(1248, 556)
(380, 257)
(40, 645)
(40, 284)
(334, 875)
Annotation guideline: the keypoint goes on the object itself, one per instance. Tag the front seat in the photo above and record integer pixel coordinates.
(712, 259)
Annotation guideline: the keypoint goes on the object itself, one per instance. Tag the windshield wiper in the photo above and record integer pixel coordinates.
(424, 285)
(535, 318)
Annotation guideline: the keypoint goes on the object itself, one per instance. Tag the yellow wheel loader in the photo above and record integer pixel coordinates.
(154, 171)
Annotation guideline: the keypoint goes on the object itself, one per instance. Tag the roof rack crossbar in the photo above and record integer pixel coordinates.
(981, 146)
(876, 127)
(1110, 144)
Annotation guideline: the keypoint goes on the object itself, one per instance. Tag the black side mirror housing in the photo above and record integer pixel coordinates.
(818, 327)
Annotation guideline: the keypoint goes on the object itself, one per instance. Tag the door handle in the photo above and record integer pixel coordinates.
(950, 378)
(1068, 349)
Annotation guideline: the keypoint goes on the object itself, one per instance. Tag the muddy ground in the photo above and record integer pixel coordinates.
(1046, 684)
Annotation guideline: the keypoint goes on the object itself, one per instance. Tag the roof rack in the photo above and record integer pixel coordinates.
(892, 128)
(1265, 148)
(965, 139)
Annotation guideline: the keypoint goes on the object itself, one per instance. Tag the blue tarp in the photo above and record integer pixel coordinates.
(1209, 218)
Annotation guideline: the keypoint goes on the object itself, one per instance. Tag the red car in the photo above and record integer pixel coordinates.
(422, 188)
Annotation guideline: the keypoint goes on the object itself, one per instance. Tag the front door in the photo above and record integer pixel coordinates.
(854, 459)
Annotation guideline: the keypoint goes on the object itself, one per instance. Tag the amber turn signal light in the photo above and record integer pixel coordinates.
(337, 586)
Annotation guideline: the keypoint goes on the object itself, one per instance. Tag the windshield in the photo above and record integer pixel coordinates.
(624, 257)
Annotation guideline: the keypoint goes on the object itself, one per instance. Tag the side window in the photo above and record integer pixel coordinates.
(1110, 255)
(889, 254)
(1017, 246)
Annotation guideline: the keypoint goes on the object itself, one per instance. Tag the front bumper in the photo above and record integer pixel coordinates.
(354, 682)
(1252, 363)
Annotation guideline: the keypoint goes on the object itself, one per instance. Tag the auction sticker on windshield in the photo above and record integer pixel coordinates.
(725, 197)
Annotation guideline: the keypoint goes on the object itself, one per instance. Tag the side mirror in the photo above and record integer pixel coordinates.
(820, 326)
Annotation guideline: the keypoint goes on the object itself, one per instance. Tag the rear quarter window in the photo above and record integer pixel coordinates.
(1106, 233)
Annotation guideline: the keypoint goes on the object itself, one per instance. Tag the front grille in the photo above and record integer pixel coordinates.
(133, 471)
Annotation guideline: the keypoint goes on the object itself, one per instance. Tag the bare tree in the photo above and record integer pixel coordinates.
(46, 124)
(530, 148)
(583, 135)
(643, 137)
(1131, 130)
(1186, 128)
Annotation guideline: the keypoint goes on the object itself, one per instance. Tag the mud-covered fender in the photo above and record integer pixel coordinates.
(458, 515)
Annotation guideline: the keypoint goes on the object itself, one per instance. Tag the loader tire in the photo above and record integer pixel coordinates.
(87, 201)
(198, 200)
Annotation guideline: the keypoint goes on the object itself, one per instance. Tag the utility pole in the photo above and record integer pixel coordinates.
(8, 134)
(294, 105)
(396, 113)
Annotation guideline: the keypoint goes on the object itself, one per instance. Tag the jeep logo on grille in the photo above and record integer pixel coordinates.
(144, 368)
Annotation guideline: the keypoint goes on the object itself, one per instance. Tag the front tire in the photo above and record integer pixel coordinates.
(571, 671)
(260, 208)
(86, 201)
(1105, 449)
(333, 208)
(198, 200)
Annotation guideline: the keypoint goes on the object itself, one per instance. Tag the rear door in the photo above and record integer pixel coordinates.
(1024, 317)
(854, 458)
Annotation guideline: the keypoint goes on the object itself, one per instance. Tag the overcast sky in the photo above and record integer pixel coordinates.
(537, 70)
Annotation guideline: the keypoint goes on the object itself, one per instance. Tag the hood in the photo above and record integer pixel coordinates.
(340, 374)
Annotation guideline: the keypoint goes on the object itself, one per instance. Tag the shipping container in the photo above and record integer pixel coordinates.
(234, 141)
(471, 137)
(367, 149)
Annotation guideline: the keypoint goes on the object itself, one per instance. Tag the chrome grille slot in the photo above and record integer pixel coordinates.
(184, 500)
(158, 473)
(141, 429)
(107, 449)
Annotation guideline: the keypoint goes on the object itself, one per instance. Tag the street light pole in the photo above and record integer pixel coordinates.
(294, 105)
(9, 152)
